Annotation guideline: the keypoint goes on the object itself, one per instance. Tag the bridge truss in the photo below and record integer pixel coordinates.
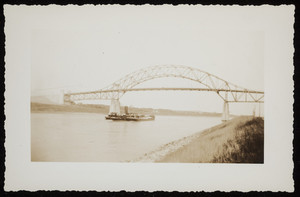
(227, 91)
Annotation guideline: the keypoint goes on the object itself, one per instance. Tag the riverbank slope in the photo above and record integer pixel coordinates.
(240, 140)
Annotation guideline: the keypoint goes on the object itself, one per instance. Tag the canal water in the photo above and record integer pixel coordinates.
(88, 137)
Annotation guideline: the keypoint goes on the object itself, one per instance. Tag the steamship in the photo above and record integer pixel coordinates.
(129, 116)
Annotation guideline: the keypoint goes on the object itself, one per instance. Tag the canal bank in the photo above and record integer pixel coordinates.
(240, 140)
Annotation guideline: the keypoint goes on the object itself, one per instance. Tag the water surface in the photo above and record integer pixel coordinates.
(89, 137)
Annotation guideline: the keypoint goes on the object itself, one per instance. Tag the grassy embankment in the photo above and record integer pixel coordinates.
(240, 140)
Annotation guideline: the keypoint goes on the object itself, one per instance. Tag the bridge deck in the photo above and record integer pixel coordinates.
(165, 89)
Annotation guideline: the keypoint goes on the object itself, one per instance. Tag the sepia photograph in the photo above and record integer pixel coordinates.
(151, 90)
(149, 98)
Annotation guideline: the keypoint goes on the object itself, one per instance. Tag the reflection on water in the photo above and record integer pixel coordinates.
(89, 137)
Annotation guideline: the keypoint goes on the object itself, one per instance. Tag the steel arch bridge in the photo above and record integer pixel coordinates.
(227, 91)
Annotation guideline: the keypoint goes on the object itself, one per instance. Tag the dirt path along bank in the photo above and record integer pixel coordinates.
(240, 140)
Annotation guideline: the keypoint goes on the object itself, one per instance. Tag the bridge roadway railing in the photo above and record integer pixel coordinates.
(226, 95)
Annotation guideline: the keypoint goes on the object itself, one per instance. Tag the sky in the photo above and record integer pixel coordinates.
(81, 50)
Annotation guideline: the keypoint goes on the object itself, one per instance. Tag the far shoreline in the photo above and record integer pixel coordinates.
(104, 109)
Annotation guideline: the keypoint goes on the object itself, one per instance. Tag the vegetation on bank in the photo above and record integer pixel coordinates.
(240, 140)
(247, 146)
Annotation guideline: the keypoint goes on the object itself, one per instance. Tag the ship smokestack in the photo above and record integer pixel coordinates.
(126, 109)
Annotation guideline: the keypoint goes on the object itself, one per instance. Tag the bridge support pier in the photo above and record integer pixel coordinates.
(225, 116)
(66, 99)
(61, 99)
(115, 106)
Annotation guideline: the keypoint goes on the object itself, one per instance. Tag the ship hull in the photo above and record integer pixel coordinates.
(129, 118)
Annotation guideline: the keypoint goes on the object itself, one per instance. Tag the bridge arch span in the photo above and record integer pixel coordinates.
(210, 81)
(227, 91)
